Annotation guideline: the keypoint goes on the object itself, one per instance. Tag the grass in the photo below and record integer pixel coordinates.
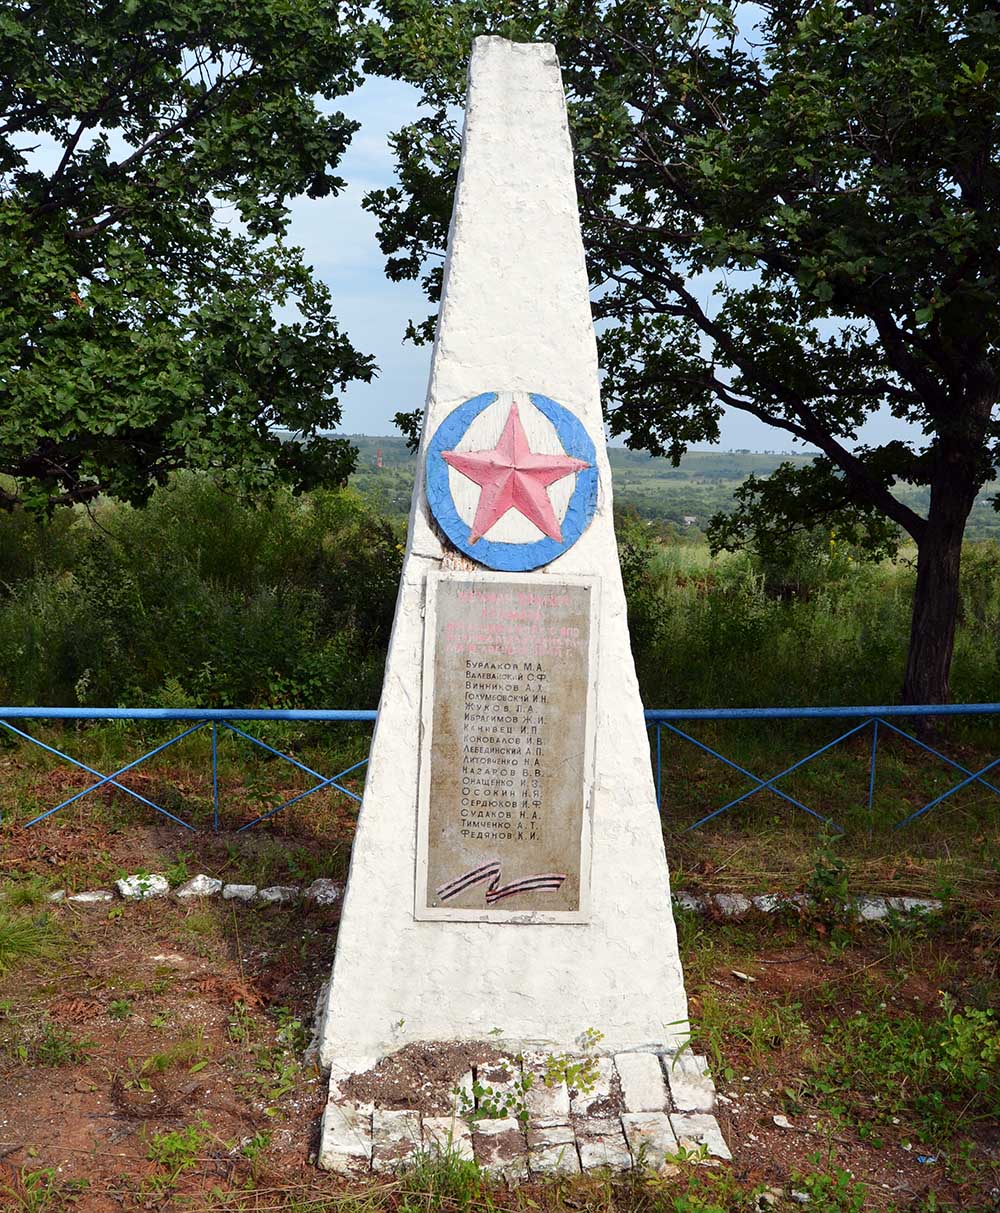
(26, 938)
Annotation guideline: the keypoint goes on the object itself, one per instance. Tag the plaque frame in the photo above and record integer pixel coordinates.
(423, 912)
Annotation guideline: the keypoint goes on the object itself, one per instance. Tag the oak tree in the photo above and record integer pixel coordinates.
(153, 315)
(790, 209)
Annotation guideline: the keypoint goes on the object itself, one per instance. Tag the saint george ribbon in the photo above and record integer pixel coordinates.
(542, 882)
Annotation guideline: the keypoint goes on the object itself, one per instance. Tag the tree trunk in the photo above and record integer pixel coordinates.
(954, 484)
(935, 614)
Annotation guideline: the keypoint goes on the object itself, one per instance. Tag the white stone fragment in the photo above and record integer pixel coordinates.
(602, 1144)
(694, 903)
(501, 1148)
(546, 1104)
(91, 897)
(871, 909)
(277, 894)
(650, 1137)
(142, 886)
(691, 1086)
(324, 892)
(199, 886)
(56, 896)
(768, 903)
(448, 1135)
(911, 905)
(552, 1150)
(585, 1103)
(642, 1082)
(239, 892)
(732, 905)
(346, 1138)
(695, 1129)
(396, 1138)
(343, 1068)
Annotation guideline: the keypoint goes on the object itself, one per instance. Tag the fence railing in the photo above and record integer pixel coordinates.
(224, 721)
(867, 717)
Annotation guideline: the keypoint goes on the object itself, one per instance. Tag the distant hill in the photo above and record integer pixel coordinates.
(687, 495)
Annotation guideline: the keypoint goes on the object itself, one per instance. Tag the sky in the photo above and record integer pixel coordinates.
(339, 239)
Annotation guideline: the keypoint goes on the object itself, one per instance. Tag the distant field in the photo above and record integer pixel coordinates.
(702, 485)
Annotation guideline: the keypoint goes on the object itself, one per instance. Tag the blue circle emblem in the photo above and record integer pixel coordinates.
(512, 477)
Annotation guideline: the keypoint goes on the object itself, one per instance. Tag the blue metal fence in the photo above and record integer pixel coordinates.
(218, 720)
(222, 721)
(867, 717)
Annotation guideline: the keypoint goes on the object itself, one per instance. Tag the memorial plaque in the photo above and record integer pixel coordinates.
(507, 748)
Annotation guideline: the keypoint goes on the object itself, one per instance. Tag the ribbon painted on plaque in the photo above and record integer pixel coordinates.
(543, 882)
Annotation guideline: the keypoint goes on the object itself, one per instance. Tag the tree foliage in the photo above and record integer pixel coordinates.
(148, 152)
(790, 209)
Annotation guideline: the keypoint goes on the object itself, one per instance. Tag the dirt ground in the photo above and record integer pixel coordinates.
(155, 1057)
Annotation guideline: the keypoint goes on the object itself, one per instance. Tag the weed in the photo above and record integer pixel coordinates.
(292, 1032)
(41, 1191)
(275, 1074)
(829, 907)
(943, 1073)
(579, 1074)
(30, 891)
(59, 1047)
(120, 1008)
(485, 1101)
(836, 1193)
(239, 1028)
(23, 938)
(194, 1051)
(177, 872)
(177, 1151)
(254, 1147)
(442, 1179)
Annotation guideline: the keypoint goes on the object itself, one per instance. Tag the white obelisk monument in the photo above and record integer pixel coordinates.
(508, 881)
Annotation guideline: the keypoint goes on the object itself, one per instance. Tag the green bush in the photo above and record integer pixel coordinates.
(199, 596)
(201, 600)
(735, 631)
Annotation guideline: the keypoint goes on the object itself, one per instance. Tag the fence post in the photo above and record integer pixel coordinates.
(871, 777)
(215, 777)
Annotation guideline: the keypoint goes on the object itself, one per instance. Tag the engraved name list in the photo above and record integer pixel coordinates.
(505, 781)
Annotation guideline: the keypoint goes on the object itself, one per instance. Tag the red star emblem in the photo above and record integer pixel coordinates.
(513, 477)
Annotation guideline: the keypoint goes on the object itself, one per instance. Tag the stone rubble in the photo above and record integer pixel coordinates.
(552, 1150)
(396, 1138)
(448, 1135)
(650, 1139)
(691, 1087)
(643, 1108)
(736, 905)
(279, 894)
(324, 892)
(199, 886)
(697, 1129)
(142, 886)
(239, 892)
